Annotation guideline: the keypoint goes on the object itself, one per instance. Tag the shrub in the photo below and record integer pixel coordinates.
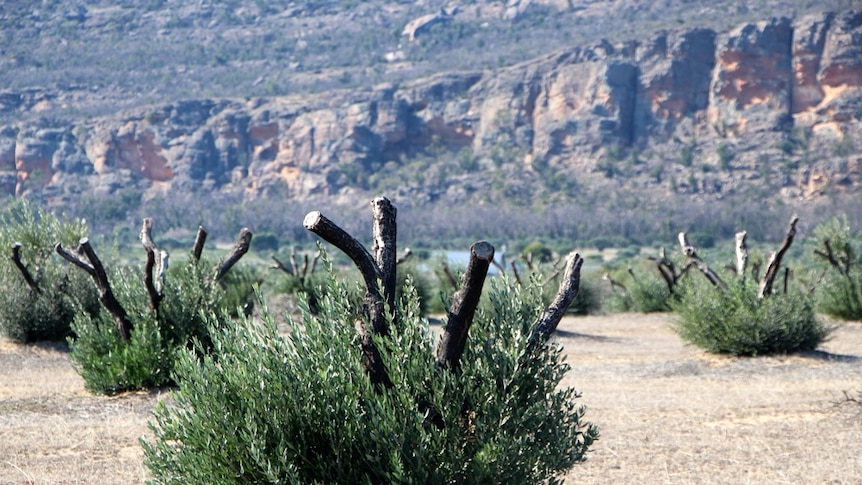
(644, 291)
(588, 299)
(44, 313)
(300, 408)
(839, 293)
(110, 365)
(538, 252)
(409, 274)
(735, 321)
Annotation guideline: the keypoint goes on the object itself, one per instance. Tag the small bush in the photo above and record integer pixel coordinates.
(28, 315)
(838, 294)
(301, 409)
(735, 321)
(409, 274)
(645, 292)
(588, 299)
(110, 365)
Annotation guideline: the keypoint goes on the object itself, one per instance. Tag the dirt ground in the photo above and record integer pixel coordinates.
(668, 413)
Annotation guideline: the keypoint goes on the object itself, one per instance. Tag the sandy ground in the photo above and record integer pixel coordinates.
(668, 413)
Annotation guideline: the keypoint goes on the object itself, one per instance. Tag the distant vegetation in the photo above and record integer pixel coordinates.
(152, 51)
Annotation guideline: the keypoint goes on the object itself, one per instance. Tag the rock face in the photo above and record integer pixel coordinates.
(751, 89)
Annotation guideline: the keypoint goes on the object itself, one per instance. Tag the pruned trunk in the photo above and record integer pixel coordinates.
(150, 247)
(515, 272)
(200, 240)
(464, 303)
(691, 253)
(741, 253)
(829, 256)
(243, 242)
(380, 267)
(667, 270)
(28, 278)
(614, 283)
(774, 264)
(95, 269)
(550, 319)
(385, 234)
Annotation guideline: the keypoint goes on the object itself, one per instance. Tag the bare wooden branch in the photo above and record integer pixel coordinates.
(550, 319)
(330, 232)
(243, 242)
(373, 305)
(775, 260)
(371, 359)
(384, 232)
(279, 265)
(528, 258)
(515, 272)
(28, 278)
(293, 265)
(75, 258)
(741, 253)
(163, 268)
(464, 303)
(666, 268)
(106, 296)
(146, 235)
(691, 253)
(150, 266)
(449, 276)
(155, 296)
(614, 283)
(829, 256)
(200, 240)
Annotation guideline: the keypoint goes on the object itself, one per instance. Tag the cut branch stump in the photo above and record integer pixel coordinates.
(464, 304)
(774, 264)
(28, 278)
(95, 269)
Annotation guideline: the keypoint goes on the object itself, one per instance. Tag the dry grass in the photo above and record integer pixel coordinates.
(669, 414)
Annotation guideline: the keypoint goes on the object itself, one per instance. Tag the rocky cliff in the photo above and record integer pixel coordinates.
(777, 104)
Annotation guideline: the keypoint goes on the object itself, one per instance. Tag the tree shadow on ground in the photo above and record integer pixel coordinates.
(829, 357)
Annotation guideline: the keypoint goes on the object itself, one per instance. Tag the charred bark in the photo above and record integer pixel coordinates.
(693, 258)
(95, 269)
(28, 278)
(741, 253)
(550, 319)
(464, 303)
(374, 269)
(200, 240)
(150, 266)
(236, 253)
(774, 264)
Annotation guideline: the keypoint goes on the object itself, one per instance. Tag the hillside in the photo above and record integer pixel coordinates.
(652, 115)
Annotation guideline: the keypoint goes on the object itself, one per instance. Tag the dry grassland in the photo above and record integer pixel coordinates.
(668, 413)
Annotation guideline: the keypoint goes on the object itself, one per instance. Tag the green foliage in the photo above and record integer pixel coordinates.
(410, 275)
(588, 299)
(725, 156)
(645, 292)
(839, 293)
(110, 365)
(735, 321)
(300, 408)
(538, 251)
(28, 315)
(265, 242)
(686, 155)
